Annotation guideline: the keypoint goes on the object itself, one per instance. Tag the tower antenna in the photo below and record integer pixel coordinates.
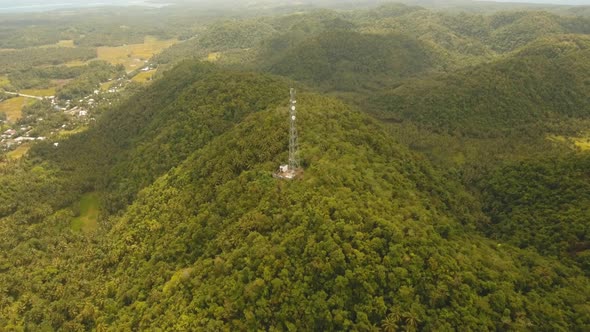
(293, 136)
(292, 169)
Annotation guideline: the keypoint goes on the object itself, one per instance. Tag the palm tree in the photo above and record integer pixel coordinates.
(411, 322)
(389, 324)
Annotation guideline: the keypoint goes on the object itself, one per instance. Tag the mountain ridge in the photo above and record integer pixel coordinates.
(542, 82)
(290, 244)
(191, 231)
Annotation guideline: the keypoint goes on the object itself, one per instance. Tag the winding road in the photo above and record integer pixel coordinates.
(23, 95)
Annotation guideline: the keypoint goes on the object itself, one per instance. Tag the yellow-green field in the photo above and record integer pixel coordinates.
(61, 43)
(582, 143)
(133, 56)
(76, 63)
(143, 76)
(66, 43)
(89, 209)
(106, 85)
(152, 46)
(18, 152)
(556, 138)
(13, 107)
(4, 81)
(39, 92)
(66, 133)
(214, 57)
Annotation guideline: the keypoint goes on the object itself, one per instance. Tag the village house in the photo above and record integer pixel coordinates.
(24, 139)
(9, 133)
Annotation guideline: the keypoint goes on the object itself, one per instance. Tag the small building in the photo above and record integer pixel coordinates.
(9, 133)
(24, 139)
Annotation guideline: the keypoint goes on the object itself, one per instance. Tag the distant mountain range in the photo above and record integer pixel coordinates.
(39, 6)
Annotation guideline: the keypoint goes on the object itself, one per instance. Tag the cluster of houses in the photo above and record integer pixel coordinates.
(114, 87)
(79, 112)
(12, 138)
(148, 68)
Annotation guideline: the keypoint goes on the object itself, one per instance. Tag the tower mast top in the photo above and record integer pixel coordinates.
(291, 170)
(293, 136)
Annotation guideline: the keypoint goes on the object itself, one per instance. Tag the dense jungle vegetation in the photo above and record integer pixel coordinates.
(445, 182)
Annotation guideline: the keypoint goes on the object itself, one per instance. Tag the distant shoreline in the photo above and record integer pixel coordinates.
(20, 8)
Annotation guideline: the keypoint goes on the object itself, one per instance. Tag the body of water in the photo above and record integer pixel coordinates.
(38, 6)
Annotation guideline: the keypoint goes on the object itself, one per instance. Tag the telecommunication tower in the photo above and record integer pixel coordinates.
(293, 137)
(292, 169)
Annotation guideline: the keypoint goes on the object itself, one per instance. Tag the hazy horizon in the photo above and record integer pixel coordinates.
(547, 2)
(8, 6)
(38, 6)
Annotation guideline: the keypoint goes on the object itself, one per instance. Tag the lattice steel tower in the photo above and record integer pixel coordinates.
(293, 137)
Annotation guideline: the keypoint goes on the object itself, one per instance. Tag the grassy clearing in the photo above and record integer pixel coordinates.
(76, 63)
(133, 56)
(143, 76)
(4, 81)
(556, 138)
(18, 152)
(66, 43)
(152, 46)
(581, 143)
(39, 92)
(61, 43)
(13, 107)
(67, 133)
(89, 209)
(106, 85)
(214, 57)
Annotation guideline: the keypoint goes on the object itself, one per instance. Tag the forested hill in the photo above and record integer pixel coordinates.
(163, 212)
(542, 83)
(471, 34)
(145, 136)
(460, 37)
(369, 236)
(351, 61)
